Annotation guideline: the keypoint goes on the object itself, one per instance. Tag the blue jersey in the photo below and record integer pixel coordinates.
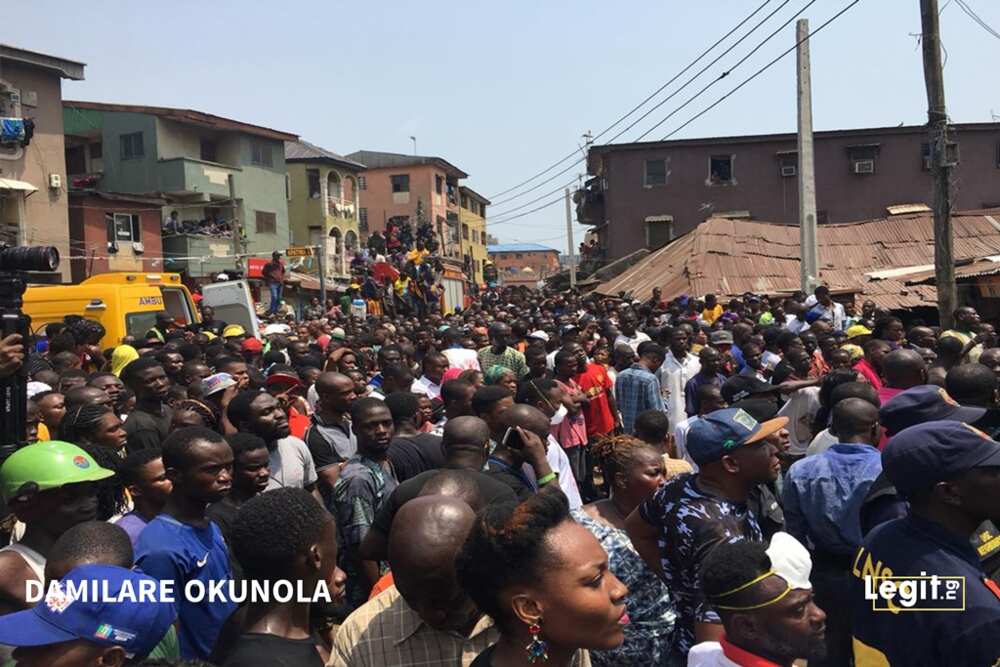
(173, 551)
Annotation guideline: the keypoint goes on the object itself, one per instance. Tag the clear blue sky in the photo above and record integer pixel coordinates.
(502, 89)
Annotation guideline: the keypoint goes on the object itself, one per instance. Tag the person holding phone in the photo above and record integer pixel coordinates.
(519, 459)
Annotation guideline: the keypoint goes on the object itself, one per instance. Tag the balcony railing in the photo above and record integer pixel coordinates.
(340, 208)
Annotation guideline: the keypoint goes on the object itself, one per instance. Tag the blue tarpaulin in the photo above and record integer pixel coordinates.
(11, 130)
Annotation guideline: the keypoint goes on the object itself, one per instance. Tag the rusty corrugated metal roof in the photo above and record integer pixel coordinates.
(729, 257)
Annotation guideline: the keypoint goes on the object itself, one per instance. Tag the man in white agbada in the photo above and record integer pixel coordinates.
(763, 595)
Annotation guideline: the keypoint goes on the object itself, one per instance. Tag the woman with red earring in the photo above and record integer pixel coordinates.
(545, 582)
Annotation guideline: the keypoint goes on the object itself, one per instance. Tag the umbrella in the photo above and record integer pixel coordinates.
(385, 271)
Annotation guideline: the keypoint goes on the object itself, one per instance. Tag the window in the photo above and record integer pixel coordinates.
(312, 176)
(656, 173)
(96, 150)
(482, 210)
(788, 164)
(438, 184)
(261, 154)
(475, 236)
(267, 223)
(363, 219)
(465, 201)
(517, 255)
(862, 159)
(362, 183)
(209, 150)
(124, 227)
(132, 146)
(400, 183)
(951, 155)
(465, 232)
(721, 169)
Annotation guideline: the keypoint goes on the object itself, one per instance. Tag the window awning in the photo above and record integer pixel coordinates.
(11, 184)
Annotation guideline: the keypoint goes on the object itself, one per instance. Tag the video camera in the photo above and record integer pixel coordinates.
(15, 264)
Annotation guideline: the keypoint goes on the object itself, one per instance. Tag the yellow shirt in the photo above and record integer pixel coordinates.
(712, 314)
(416, 256)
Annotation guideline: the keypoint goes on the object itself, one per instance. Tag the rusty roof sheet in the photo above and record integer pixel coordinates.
(729, 257)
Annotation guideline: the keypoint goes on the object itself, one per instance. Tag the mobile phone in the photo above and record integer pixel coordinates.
(512, 439)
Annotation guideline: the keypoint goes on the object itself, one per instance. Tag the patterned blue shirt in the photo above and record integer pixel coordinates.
(691, 523)
(636, 391)
(823, 495)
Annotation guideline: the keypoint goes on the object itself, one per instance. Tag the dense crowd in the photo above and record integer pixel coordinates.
(538, 478)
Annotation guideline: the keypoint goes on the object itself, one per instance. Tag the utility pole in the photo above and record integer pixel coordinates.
(569, 242)
(937, 125)
(234, 227)
(321, 265)
(809, 261)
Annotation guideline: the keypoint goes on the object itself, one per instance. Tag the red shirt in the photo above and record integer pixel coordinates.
(595, 383)
(871, 375)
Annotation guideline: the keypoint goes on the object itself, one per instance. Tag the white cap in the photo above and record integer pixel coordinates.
(35, 387)
(540, 335)
(272, 329)
(790, 560)
(811, 301)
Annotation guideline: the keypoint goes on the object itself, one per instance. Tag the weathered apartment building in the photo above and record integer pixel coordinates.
(194, 161)
(643, 195)
(34, 202)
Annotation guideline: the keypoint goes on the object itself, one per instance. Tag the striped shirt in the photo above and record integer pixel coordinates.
(510, 358)
(386, 631)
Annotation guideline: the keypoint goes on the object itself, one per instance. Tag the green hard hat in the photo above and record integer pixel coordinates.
(50, 465)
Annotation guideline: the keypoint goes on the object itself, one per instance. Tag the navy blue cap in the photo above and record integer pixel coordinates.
(919, 457)
(111, 620)
(716, 434)
(924, 403)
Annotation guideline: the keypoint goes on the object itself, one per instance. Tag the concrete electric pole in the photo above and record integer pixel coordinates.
(569, 242)
(937, 125)
(809, 273)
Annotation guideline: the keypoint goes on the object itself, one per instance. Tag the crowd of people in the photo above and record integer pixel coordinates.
(538, 478)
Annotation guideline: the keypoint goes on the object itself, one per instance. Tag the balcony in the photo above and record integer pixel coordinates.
(193, 178)
(590, 202)
(180, 249)
(341, 208)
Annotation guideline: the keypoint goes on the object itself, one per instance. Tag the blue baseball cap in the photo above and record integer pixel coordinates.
(111, 620)
(920, 456)
(716, 434)
(924, 403)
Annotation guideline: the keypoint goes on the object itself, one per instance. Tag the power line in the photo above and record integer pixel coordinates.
(710, 107)
(760, 71)
(727, 72)
(643, 102)
(975, 17)
(687, 83)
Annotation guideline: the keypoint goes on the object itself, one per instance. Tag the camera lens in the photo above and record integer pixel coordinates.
(25, 258)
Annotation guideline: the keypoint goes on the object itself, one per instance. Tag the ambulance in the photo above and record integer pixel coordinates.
(125, 303)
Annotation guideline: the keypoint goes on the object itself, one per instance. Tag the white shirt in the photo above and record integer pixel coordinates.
(673, 375)
(800, 409)
(822, 442)
(559, 463)
(427, 387)
(709, 654)
(459, 357)
(632, 342)
(795, 325)
(680, 440)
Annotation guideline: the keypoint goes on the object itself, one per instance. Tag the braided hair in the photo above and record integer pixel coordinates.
(507, 547)
(80, 424)
(616, 454)
(111, 499)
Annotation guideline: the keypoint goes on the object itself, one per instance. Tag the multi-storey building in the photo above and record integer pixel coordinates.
(411, 187)
(472, 216)
(643, 195)
(33, 189)
(323, 202)
(225, 179)
(524, 264)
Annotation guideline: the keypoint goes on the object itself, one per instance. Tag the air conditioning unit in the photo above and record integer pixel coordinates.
(864, 166)
(138, 248)
(789, 170)
(55, 181)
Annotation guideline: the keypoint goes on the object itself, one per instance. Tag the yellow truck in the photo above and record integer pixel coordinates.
(125, 303)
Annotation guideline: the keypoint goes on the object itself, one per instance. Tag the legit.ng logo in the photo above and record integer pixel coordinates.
(81, 461)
